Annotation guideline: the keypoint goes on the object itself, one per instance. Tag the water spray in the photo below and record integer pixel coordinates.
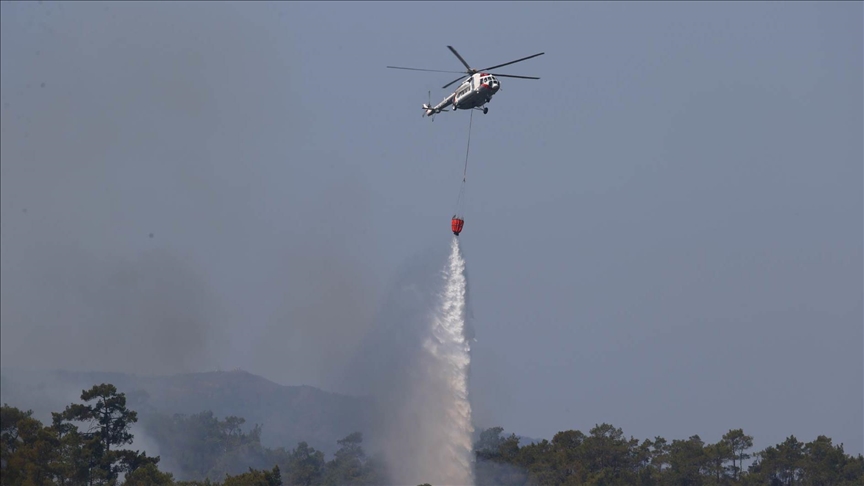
(450, 351)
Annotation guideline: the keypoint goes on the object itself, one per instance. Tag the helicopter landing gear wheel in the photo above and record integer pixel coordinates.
(485, 110)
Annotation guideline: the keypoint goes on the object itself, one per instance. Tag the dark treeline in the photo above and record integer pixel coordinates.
(84, 445)
(606, 457)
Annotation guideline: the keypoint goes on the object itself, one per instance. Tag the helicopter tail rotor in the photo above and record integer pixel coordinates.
(428, 110)
(427, 107)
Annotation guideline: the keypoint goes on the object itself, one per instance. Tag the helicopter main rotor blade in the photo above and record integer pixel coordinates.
(471, 71)
(451, 82)
(513, 76)
(417, 69)
(512, 62)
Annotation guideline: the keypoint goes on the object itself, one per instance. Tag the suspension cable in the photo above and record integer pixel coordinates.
(470, 122)
(465, 171)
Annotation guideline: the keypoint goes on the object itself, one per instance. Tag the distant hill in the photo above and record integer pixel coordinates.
(288, 414)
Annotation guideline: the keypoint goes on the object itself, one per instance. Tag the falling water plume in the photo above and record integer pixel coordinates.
(416, 365)
(450, 353)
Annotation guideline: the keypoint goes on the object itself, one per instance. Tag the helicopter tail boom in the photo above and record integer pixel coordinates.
(430, 110)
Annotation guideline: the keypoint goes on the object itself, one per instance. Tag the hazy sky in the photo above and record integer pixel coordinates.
(664, 232)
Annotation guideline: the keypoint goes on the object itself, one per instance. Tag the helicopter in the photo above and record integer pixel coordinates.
(474, 92)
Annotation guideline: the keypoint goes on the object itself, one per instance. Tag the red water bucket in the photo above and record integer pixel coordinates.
(456, 225)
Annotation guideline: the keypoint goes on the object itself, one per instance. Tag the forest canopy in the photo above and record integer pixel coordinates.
(86, 444)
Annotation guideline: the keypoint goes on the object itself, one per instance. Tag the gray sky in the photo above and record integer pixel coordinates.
(663, 233)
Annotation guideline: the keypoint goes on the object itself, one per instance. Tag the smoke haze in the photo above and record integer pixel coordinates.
(142, 229)
(149, 315)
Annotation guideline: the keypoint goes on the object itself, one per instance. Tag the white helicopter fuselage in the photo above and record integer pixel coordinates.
(474, 92)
